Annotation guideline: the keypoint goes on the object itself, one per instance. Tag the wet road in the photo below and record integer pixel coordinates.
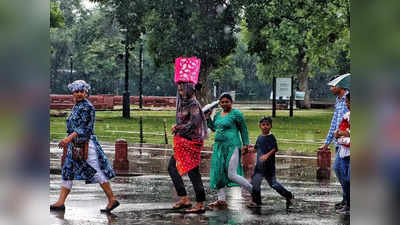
(147, 199)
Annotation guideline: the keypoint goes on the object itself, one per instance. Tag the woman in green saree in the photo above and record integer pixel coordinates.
(231, 134)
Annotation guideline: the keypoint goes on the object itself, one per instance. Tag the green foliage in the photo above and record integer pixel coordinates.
(92, 46)
(73, 11)
(95, 46)
(238, 72)
(56, 15)
(228, 73)
(287, 34)
(292, 37)
(157, 81)
(130, 14)
(100, 60)
(60, 49)
(191, 28)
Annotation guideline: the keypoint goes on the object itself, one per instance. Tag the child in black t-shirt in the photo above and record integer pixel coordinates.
(266, 147)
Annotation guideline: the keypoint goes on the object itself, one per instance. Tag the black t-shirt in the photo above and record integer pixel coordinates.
(264, 145)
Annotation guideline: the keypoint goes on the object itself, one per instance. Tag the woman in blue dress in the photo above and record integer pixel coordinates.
(96, 168)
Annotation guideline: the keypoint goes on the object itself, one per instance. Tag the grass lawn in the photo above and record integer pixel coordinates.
(304, 132)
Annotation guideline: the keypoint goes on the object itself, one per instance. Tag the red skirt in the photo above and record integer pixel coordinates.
(187, 154)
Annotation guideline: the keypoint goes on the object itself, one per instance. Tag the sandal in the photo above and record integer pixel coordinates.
(57, 208)
(289, 202)
(218, 203)
(196, 210)
(181, 205)
(113, 206)
(253, 205)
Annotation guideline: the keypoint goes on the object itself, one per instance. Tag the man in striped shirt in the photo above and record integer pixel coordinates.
(340, 90)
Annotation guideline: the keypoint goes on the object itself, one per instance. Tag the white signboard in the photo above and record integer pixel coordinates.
(283, 87)
(299, 96)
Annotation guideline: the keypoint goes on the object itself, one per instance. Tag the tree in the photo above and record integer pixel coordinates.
(239, 72)
(130, 14)
(73, 11)
(60, 42)
(92, 43)
(56, 15)
(292, 36)
(187, 28)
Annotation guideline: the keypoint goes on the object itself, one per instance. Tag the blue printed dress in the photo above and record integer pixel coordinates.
(81, 120)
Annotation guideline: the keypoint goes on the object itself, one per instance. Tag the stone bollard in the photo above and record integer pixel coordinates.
(324, 164)
(121, 162)
(249, 162)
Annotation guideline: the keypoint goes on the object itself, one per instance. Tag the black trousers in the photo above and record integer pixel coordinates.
(273, 183)
(195, 178)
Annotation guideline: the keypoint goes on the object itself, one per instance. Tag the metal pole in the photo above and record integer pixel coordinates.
(141, 87)
(141, 129)
(141, 75)
(71, 63)
(273, 96)
(126, 101)
(165, 131)
(217, 90)
(292, 96)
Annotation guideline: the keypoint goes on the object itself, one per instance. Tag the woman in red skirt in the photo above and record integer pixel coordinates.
(189, 132)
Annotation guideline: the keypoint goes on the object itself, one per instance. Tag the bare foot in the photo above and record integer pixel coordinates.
(57, 204)
(110, 202)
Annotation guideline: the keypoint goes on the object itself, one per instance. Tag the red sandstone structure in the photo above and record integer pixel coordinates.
(121, 162)
(107, 102)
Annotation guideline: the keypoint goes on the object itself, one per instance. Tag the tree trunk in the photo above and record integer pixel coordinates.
(302, 75)
(203, 96)
(303, 86)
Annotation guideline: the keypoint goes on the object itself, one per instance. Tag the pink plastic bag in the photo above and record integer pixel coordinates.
(187, 69)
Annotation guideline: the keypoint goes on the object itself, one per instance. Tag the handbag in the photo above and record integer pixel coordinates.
(64, 156)
(80, 150)
(187, 69)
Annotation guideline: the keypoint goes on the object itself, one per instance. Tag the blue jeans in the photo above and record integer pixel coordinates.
(338, 168)
(346, 179)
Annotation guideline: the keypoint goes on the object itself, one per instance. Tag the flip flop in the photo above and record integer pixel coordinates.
(218, 203)
(253, 205)
(195, 210)
(57, 208)
(113, 206)
(181, 205)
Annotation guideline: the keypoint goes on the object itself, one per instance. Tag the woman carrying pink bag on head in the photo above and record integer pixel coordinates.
(189, 132)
